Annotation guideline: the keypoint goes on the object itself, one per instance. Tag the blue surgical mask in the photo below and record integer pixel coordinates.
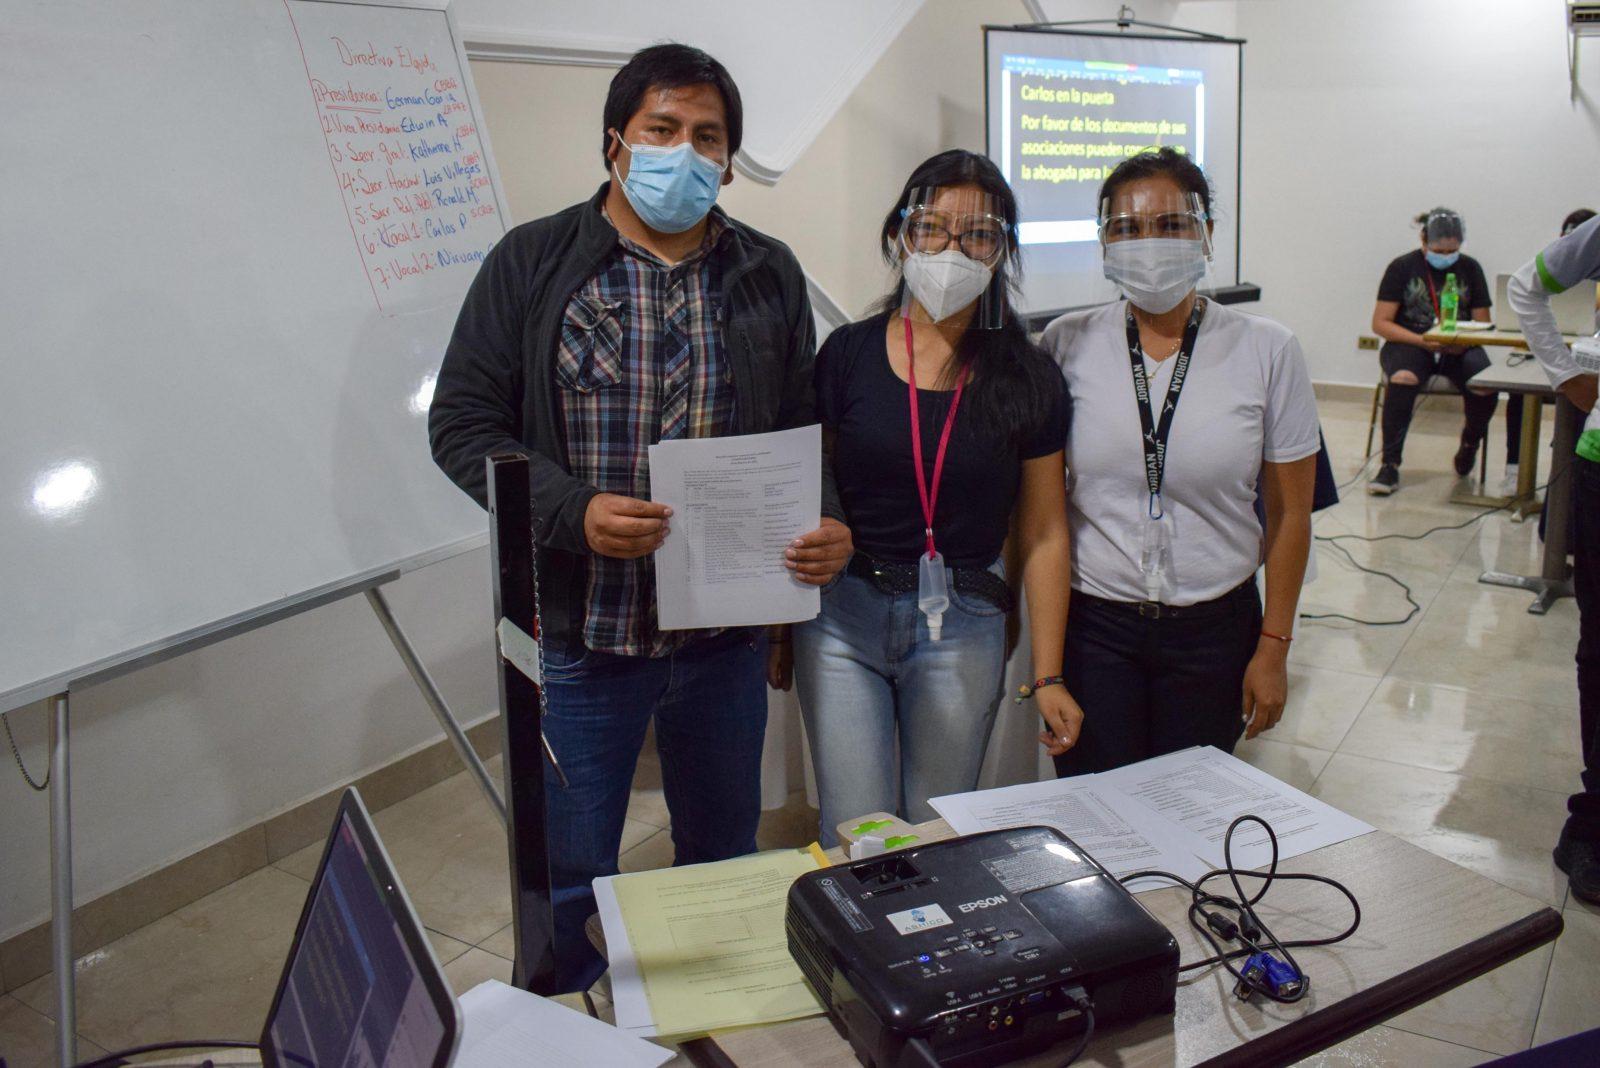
(1442, 261)
(671, 189)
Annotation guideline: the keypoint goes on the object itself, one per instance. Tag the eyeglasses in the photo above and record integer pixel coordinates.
(1175, 224)
(979, 237)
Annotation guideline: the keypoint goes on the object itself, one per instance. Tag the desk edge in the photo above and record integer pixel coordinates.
(1344, 1019)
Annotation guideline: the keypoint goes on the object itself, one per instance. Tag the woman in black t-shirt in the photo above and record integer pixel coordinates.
(883, 670)
(1408, 306)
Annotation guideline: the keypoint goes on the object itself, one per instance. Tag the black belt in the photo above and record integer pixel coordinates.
(902, 578)
(1157, 610)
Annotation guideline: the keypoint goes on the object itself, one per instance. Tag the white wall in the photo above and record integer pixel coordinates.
(1358, 114)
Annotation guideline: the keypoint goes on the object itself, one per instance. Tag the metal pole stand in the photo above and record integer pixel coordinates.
(1554, 580)
(516, 611)
(61, 885)
(435, 700)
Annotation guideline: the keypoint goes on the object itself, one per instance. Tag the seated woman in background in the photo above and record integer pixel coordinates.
(946, 424)
(1181, 408)
(1408, 306)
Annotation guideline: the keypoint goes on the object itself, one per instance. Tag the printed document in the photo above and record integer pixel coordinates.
(1203, 790)
(1122, 837)
(702, 947)
(736, 504)
(503, 1025)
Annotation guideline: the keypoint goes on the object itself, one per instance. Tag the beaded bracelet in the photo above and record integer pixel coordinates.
(1025, 692)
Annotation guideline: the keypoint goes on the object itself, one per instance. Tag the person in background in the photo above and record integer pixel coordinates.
(1574, 260)
(645, 314)
(1181, 408)
(1573, 220)
(948, 427)
(1408, 306)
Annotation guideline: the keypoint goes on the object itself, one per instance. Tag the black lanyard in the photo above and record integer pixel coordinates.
(1155, 435)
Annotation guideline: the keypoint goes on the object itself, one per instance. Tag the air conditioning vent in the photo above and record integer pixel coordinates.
(812, 960)
(1583, 17)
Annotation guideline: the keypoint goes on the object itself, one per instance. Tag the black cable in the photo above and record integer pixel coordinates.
(1405, 589)
(1334, 539)
(121, 1056)
(1250, 930)
(1086, 1007)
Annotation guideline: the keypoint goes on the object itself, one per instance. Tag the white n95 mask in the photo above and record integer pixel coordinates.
(944, 282)
(1156, 272)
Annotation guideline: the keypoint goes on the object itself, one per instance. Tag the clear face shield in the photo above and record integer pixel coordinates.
(952, 249)
(1443, 230)
(1156, 243)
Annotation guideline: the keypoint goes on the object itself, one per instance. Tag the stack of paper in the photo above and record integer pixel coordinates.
(702, 947)
(1169, 813)
(502, 1025)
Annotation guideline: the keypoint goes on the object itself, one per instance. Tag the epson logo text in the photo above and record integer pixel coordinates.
(988, 902)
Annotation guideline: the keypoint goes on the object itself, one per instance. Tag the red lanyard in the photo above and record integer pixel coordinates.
(930, 499)
(1427, 272)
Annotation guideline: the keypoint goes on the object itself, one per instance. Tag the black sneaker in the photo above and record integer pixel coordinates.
(1385, 482)
(1466, 456)
(1580, 861)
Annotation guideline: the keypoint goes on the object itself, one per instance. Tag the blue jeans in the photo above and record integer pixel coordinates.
(709, 700)
(870, 681)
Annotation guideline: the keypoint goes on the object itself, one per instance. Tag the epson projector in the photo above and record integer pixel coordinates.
(980, 947)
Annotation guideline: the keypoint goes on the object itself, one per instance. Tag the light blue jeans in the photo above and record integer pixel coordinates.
(870, 682)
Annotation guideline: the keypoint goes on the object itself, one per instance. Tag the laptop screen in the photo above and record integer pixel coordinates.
(354, 991)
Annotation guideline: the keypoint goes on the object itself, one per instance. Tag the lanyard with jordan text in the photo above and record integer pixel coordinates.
(1156, 551)
(933, 594)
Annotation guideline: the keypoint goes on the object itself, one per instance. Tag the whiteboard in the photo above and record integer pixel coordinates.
(794, 63)
(237, 236)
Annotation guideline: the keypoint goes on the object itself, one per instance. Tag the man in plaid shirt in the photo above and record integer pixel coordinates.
(642, 315)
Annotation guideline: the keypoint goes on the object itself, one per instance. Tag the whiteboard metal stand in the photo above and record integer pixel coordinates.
(524, 747)
(61, 955)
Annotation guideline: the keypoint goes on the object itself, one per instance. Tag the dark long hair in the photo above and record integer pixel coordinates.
(1010, 385)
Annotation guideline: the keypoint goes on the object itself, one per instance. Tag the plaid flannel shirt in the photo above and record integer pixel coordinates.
(640, 360)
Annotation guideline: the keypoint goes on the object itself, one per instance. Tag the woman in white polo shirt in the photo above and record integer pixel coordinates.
(1184, 409)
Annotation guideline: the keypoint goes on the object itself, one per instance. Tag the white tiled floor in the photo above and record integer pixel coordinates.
(1456, 731)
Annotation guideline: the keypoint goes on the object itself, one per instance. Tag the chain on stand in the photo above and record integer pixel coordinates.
(16, 754)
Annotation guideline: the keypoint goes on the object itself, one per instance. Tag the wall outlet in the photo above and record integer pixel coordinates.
(1367, 341)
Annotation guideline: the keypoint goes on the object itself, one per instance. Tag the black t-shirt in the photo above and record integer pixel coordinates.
(866, 404)
(1405, 281)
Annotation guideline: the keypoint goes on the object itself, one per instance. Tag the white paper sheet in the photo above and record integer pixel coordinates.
(504, 1025)
(737, 503)
(1203, 790)
(1122, 838)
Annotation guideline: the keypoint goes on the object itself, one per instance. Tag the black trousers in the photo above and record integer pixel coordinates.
(1583, 821)
(1149, 686)
(1399, 401)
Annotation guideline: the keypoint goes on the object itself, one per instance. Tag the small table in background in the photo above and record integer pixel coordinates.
(1518, 373)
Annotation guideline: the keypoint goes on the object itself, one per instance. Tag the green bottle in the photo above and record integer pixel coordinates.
(1589, 446)
(1449, 301)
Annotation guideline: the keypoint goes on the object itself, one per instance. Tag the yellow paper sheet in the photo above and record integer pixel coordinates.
(710, 945)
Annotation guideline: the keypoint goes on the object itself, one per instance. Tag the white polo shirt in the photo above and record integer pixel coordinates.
(1247, 399)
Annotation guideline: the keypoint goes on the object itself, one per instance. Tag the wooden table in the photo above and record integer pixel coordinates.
(1427, 927)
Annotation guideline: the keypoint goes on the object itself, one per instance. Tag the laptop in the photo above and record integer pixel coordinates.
(362, 986)
(1574, 309)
